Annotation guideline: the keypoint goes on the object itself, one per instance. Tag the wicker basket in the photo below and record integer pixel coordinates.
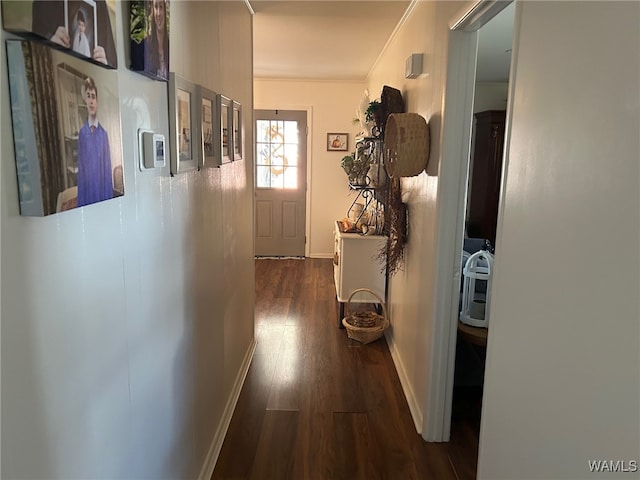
(365, 327)
(406, 145)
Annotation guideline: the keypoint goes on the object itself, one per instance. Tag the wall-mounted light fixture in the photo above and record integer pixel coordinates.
(413, 66)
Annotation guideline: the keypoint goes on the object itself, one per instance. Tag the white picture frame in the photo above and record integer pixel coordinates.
(225, 114)
(238, 131)
(209, 131)
(184, 124)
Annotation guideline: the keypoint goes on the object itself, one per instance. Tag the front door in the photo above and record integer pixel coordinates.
(281, 181)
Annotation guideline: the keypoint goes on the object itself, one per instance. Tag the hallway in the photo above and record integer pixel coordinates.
(317, 405)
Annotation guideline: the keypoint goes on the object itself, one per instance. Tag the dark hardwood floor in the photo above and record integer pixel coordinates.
(316, 405)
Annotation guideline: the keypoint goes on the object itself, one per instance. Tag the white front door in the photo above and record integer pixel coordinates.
(281, 182)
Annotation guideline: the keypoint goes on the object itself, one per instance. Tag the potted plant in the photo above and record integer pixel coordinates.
(372, 113)
(356, 167)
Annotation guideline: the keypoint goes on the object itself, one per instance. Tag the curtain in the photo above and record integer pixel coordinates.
(44, 105)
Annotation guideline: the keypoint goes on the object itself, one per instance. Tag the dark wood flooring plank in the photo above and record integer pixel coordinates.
(275, 456)
(356, 456)
(291, 374)
(241, 441)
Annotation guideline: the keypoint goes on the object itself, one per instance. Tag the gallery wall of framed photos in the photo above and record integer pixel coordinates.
(73, 42)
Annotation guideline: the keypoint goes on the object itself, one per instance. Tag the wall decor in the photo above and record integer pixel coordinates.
(338, 142)
(149, 35)
(66, 129)
(225, 111)
(86, 28)
(238, 133)
(209, 138)
(183, 124)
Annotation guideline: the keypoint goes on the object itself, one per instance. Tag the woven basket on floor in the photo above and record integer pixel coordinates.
(365, 327)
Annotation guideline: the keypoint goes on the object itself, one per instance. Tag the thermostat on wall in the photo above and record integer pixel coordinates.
(152, 151)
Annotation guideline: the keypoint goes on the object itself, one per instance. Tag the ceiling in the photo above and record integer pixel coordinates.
(341, 40)
(494, 48)
(338, 40)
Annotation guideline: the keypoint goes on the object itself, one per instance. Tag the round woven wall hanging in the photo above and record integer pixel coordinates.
(406, 144)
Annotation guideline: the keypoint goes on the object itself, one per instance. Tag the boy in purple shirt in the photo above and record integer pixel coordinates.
(95, 181)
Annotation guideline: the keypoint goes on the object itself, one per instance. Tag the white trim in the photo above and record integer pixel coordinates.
(216, 444)
(320, 255)
(414, 406)
(249, 7)
(401, 22)
(308, 80)
(472, 18)
(309, 110)
(455, 141)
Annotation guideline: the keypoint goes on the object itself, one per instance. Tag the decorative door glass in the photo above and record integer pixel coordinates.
(277, 154)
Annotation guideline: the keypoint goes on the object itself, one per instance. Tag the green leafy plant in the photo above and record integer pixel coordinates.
(140, 21)
(356, 166)
(138, 27)
(369, 113)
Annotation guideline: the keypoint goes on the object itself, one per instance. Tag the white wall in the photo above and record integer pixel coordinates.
(411, 292)
(563, 368)
(125, 323)
(332, 106)
(490, 96)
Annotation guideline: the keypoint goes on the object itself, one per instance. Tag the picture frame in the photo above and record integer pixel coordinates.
(44, 20)
(66, 126)
(81, 21)
(238, 133)
(149, 37)
(208, 118)
(183, 124)
(225, 114)
(337, 142)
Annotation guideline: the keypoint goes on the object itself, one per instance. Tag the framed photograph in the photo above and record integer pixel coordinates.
(183, 124)
(238, 137)
(338, 142)
(81, 21)
(85, 28)
(149, 38)
(209, 147)
(66, 129)
(225, 112)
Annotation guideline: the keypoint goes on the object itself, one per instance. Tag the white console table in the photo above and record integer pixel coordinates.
(356, 265)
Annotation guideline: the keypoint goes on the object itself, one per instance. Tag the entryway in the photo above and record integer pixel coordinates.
(457, 128)
(281, 177)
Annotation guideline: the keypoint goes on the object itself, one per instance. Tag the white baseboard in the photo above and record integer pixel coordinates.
(414, 408)
(216, 445)
(321, 255)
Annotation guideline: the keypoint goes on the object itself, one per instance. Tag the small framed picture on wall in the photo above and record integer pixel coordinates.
(184, 124)
(338, 142)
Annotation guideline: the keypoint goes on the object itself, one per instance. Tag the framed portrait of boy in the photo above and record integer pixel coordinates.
(81, 21)
(84, 28)
(66, 129)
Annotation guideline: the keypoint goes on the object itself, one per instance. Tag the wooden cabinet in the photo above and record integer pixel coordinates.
(356, 265)
(486, 170)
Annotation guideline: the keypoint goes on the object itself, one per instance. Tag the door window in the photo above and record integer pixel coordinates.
(277, 154)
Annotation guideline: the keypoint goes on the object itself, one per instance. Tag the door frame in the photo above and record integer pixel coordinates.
(456, 149)
(307, 213)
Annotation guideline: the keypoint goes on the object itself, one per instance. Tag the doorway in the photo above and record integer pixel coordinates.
(483, 168)
(281, 182)
(456, 141)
